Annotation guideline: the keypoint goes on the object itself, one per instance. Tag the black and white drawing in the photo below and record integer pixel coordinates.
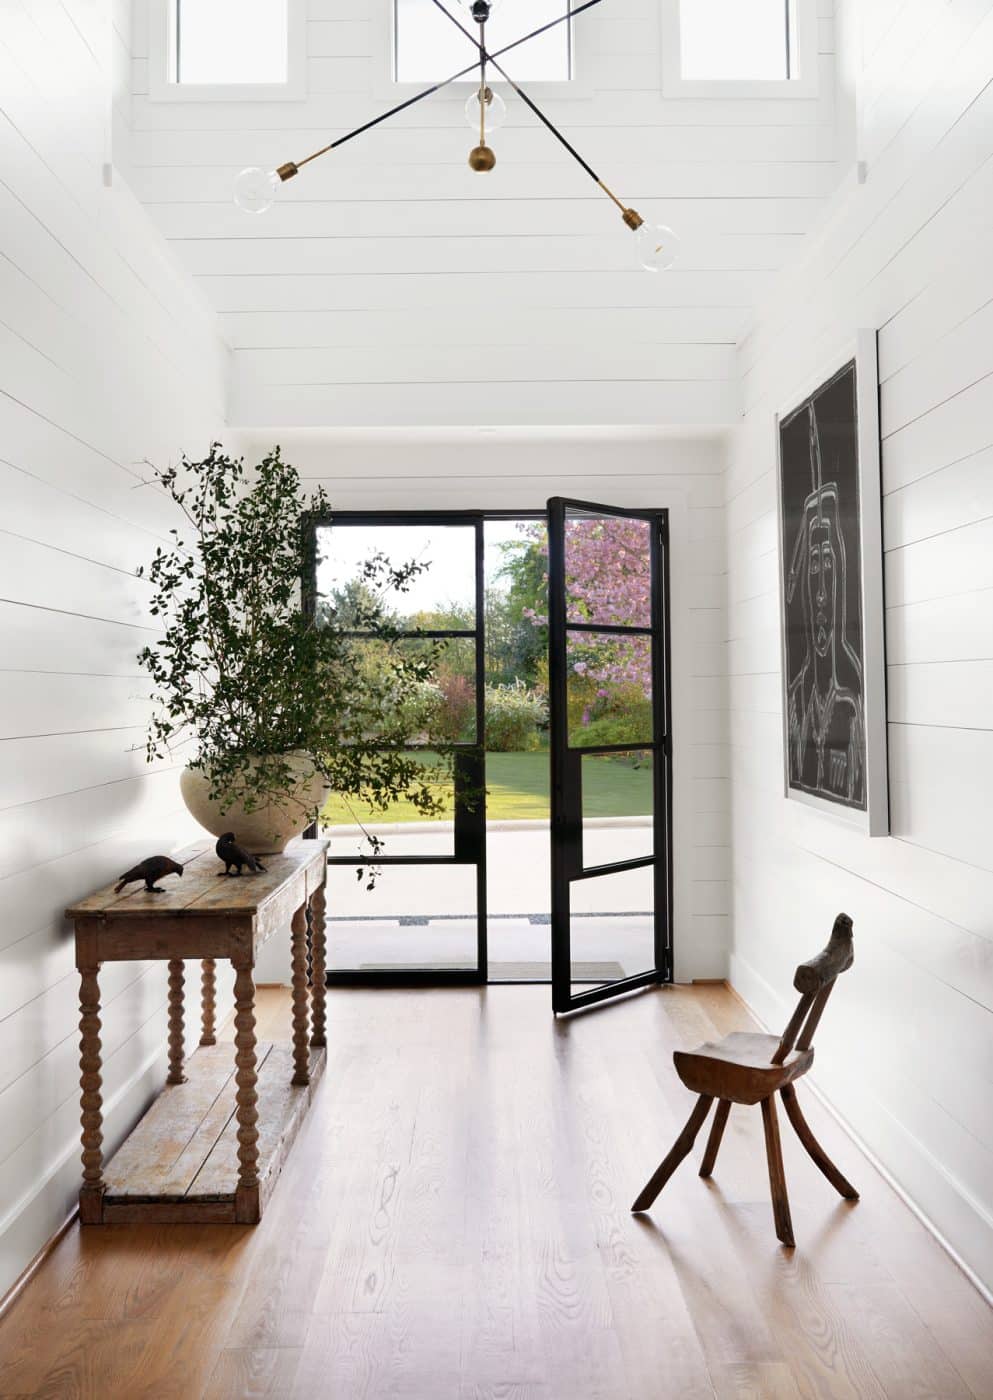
(822, 530)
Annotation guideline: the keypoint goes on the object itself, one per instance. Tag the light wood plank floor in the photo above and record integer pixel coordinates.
(453, 1224)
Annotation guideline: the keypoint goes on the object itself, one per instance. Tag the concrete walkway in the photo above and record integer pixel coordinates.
(518, 869)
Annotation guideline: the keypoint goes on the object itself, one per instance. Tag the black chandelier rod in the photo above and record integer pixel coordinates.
(485, 58)
(631, 217)
(287, 171)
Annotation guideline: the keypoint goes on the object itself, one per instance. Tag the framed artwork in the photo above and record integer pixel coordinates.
(831, 591)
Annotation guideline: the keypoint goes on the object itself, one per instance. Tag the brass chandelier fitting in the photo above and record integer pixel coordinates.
(255, 189)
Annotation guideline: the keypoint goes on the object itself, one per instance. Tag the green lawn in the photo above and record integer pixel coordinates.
(517, 788)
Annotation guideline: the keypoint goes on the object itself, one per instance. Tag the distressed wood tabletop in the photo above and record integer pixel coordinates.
(203, 888)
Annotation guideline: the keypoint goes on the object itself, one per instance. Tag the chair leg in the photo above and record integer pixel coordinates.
(716, 1134)
(777, 1177)
(677, 1152)
(802, 1129)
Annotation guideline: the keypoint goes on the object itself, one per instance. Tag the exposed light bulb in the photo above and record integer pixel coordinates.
(495, 113)
(480, 9)
(658, 247)
(255, 189)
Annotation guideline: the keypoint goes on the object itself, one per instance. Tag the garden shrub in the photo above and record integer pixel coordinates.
(418, 709)
(621, 727)
(455, 722)
(580, 700)
(514, 715)
(618, 714)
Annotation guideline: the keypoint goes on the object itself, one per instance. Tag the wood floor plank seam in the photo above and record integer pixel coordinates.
(452, 1224)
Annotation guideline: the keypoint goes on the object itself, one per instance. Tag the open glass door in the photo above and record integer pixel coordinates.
(608, 671)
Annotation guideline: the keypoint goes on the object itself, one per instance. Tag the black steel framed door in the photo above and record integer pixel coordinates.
(431, 862)
(609, 705)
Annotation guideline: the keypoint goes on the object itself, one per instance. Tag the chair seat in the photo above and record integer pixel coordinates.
(738, 1067)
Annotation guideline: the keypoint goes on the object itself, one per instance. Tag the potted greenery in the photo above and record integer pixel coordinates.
(261, 692)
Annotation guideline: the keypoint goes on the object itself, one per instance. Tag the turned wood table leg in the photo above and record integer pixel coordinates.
(318, 989)
(176, 1039)
(246, 1077)
(301, 1053)
(91, 1100)
(308, 910)
(208, 1001)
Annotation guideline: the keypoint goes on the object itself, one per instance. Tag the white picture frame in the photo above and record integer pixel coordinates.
(830, 590)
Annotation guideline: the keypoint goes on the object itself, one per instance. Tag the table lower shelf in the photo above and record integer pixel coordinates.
(180, 1164)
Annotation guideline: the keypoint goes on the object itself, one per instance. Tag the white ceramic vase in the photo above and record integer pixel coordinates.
(268, 829)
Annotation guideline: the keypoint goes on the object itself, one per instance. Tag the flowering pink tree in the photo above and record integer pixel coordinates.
(608, 580)
(607, 568)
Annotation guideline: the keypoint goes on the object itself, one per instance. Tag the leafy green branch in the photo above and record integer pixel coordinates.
(253, 679)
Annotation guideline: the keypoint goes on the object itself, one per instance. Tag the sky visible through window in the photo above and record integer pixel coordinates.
(734, 39)
(448, 550)
(232, 41)
(429, 47)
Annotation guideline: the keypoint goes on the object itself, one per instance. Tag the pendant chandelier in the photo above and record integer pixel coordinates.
(255, 189)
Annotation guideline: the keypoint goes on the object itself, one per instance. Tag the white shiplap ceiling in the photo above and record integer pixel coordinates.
(392, 285)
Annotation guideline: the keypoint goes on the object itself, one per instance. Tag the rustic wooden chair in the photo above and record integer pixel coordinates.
(749, 1068)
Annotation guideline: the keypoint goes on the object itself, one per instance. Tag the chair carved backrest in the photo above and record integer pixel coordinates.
(814, 981)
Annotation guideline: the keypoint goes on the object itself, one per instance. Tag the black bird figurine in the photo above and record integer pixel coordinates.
(232, 854)
(150, 870)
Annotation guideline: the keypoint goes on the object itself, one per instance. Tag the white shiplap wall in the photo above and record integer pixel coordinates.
(906, 1051)
(107, 356)
(520, 470)
(392, 285)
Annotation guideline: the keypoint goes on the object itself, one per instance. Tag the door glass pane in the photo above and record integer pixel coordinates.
(359, 563)
(612, 926)
(424, 687)
(608, 689)
(417, 916)
(402, 828)
(517, 760)
(617, 807)
(608, 570)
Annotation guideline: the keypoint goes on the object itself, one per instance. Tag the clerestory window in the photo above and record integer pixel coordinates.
(427, 47)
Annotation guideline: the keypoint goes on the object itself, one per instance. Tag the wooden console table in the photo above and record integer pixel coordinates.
(201, 1153)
